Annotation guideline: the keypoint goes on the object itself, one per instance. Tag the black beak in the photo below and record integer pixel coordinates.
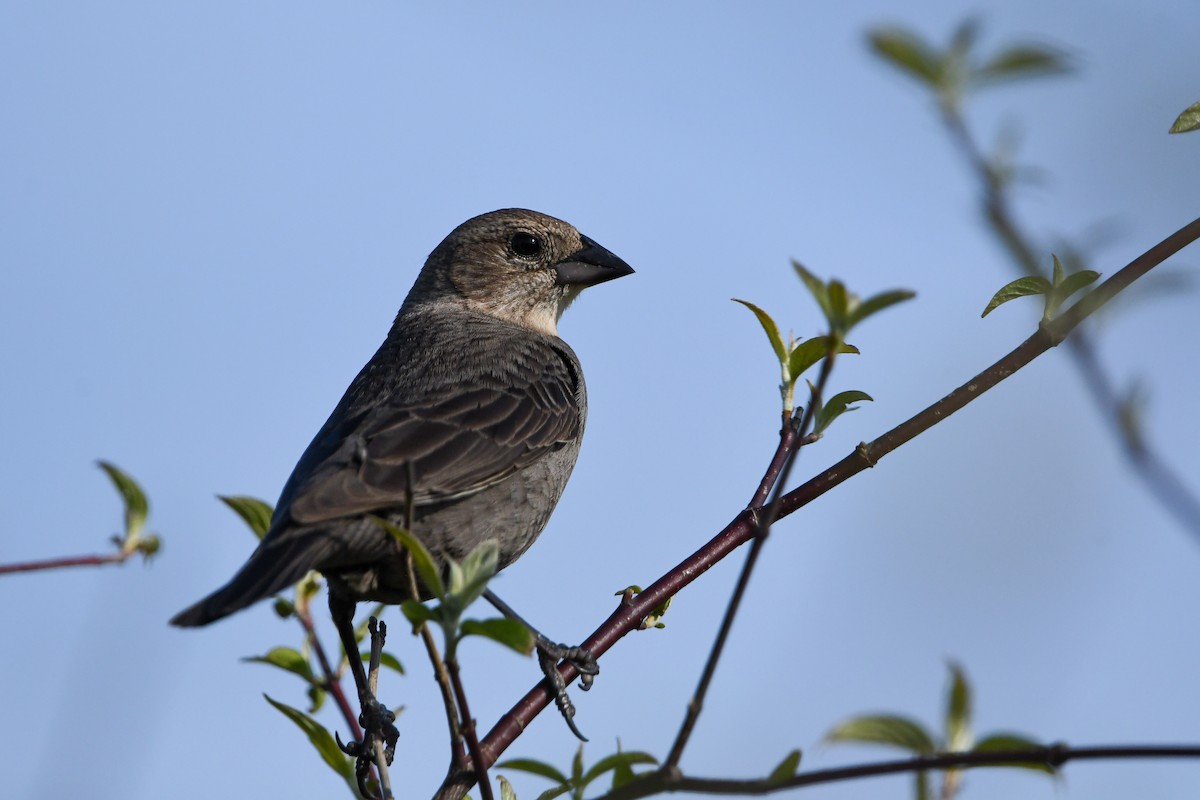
(590, 265)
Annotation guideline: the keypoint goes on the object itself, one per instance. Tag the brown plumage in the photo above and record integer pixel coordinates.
(472, 393)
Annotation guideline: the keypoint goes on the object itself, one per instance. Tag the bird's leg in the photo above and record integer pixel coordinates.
(549, 654)
(375, 718)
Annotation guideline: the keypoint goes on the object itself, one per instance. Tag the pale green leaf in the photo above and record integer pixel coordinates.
(254, 512)
(1021, 287)
(876, 303)
(884, 729)
(1000, 742)
(509, 632)
(385, 660)
(416, 613)
(322, 740)
(808, 353)
(428, 574)
(286, 658)
(1021, 61)
(534, 767)
(907, 52)
(614, 761)
(786, 768)
(771, 329)
(958, 710)
(136, 506)
(1076, 281)
(1189, 120)
(836, 406)
(816, 287)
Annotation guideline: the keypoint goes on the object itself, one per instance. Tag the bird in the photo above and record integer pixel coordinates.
(467, 419)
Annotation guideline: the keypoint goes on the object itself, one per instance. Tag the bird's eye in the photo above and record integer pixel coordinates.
(526, 245)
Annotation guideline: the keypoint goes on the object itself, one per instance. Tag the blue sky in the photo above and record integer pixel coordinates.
(211, 212)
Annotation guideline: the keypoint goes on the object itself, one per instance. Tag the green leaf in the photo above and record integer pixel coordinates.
(534, 767)
(1189, 120)
(557, 791)
(422, 560)
(838, 405)
(577, 766)
(385, 660)
(254, 512)
(786, 769)
(1021, 287)
(470, 579)
(999, 742)
(884, 729)
(877, 303)
(1076, 281)
(149, 545)
(322, 740)
(907, 52)
(614, 761)
(1056, 274)
(816, 287)
(508, 632)
(770, 327)
(808, 353)
(840, 301)
(307, 588)
(137, 508)
(416, 613)
(287, 659)
(506, 790)
(1019, 62)
(958, 710)
(316, 698)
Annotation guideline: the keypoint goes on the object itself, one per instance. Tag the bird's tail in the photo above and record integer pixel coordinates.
(278, 562)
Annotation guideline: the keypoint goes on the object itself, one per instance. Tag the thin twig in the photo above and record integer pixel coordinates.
(73, 561)
(378, 631)
(776, 476)
(628, 614)
(1051, 756)
(467, 727)
(1162, 481)
(332, 682)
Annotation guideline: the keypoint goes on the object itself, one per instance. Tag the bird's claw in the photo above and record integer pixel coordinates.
(549, 654)
(376, 720)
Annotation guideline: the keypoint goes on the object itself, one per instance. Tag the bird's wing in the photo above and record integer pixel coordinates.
(458, 441)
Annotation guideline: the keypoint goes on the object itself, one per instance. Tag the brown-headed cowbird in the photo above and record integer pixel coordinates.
(472, 410)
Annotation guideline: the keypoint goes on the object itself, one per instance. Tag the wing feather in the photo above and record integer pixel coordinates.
(458, 442)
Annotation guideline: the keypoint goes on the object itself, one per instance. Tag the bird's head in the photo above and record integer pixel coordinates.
(517, 265)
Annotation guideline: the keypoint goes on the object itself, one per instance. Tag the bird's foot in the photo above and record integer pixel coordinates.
(549, 654)
(376, 720)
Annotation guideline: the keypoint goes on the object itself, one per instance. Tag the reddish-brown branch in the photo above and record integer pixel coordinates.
(75, 561)
(629, 614)
(467, 726)
(332, 682)
(1052, 756)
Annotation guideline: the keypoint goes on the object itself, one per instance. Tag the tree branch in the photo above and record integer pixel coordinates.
(626, 617)
(1051, 756)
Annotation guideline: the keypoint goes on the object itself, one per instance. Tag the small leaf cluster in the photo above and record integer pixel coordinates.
(913, 737)
(843, 310)
(1055, 289)
(620, 764)
(300, 661)
(137, 509)
(954, 70)
(1187, 121)
(654, 618)
(464, 584)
